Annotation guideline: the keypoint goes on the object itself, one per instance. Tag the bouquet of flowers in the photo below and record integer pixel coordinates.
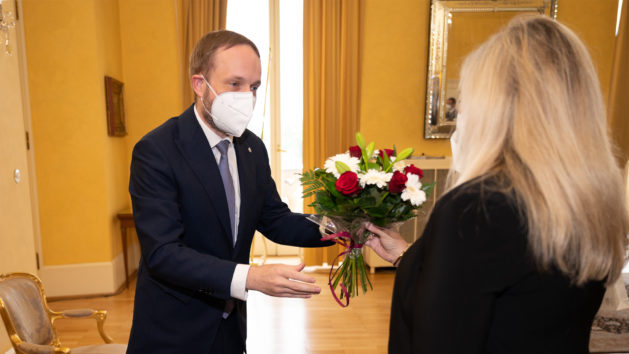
(362, 185)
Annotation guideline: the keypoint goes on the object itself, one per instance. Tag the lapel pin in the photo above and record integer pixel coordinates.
(249, 149)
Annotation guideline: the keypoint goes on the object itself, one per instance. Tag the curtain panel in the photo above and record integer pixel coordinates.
(198, 17)
(619, 90)
(333, 31)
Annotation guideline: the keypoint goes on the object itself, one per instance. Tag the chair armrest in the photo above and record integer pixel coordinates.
(31, 348)
(99, 315)
(78, 313)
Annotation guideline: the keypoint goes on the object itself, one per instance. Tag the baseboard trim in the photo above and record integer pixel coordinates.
(88, 279)
(120, 289)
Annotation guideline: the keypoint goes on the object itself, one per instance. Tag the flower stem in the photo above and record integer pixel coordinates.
(382, 199)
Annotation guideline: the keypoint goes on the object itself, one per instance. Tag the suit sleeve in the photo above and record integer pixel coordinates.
(158, 221)
(281, 225)
(470, 257)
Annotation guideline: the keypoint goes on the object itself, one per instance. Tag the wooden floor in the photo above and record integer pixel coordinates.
(276, 325)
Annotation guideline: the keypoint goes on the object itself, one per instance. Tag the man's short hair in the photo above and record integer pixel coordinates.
(202, 57)
(453, 99)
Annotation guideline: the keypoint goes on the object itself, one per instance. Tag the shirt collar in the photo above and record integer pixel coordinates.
(211, 136)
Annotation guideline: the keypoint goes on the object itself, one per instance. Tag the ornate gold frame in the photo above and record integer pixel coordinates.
(441, 12)
(99, 315)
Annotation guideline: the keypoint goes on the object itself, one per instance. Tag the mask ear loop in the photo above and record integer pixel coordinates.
(210, 86)
(203, 101)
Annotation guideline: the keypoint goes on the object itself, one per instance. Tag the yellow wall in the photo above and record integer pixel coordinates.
(116, 161)
(82, 174)
(594, 21)
(395, 61)
(151, 69)
(64, 46)
(151, 64)
(393, 78)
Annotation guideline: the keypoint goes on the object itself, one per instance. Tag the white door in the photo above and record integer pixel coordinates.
(17, 250)
(276, 28)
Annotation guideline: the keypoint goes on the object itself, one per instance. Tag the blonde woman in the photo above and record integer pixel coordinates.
(516, 255)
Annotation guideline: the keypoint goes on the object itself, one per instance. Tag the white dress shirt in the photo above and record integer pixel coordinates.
(239, 279)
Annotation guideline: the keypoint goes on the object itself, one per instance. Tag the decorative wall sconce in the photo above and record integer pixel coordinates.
(7, 22)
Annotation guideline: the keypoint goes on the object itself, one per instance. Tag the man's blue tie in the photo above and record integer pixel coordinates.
(228, 183)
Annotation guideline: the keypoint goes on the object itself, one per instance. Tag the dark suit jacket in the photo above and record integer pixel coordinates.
(470, 285)
(182, 221)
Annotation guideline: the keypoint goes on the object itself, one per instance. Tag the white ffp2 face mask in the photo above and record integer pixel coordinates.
(454, 146)
(454, 143)
(231, 111)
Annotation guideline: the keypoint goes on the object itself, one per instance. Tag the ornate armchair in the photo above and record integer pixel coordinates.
(30, 322)
(610, 331)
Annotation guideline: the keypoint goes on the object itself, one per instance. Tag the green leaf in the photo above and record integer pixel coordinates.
(404, 154)
(377, 212)
(341, 167)
(324, 200)
(373, 166)
(382, 198)
(375, 192)
(386, 161)
(360, 141)
(366, 156)
(312, 181)
(330, 186)
(370, 149)
(400, 210)
(366, 202)
(428, 187)
(313, 187)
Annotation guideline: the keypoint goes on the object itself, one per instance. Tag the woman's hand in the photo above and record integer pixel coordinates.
(387, 244)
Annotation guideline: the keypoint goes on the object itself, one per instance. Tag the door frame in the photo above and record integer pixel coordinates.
(28, 129)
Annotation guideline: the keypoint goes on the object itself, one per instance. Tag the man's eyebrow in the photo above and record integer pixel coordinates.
(241, 79)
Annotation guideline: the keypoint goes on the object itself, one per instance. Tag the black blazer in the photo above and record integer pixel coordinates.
(181, 218)
(470, 285)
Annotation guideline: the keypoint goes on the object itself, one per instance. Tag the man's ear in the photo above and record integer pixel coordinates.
(198, 85)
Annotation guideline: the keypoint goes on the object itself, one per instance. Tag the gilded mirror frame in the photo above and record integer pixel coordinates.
(436, 126)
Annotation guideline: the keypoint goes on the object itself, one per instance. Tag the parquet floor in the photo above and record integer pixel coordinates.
(276, 325)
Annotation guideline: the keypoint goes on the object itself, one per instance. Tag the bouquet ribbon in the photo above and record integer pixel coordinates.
(344, 239)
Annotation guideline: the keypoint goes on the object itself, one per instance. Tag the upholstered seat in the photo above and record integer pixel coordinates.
(30, 322)
(610, 332)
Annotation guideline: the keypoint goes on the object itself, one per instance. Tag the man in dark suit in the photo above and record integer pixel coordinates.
(201, 186)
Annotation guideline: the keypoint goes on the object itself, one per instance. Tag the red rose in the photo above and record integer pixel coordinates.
(355, 151)
(389, 152)
(414, 170)
(347, 183)
(397, 183)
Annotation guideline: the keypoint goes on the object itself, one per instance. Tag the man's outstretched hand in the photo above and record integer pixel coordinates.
(281, 280)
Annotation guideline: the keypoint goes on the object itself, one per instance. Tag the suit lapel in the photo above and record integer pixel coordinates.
(197, 152)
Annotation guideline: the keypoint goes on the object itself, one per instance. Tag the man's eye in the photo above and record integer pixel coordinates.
(254, 88)
(234, 84)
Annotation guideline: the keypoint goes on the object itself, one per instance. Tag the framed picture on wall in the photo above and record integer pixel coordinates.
(115, 107)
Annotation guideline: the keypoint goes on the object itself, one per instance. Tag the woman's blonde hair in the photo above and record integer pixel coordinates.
(532, 113)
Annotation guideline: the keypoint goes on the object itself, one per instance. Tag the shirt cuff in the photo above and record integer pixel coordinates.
(239, 282)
